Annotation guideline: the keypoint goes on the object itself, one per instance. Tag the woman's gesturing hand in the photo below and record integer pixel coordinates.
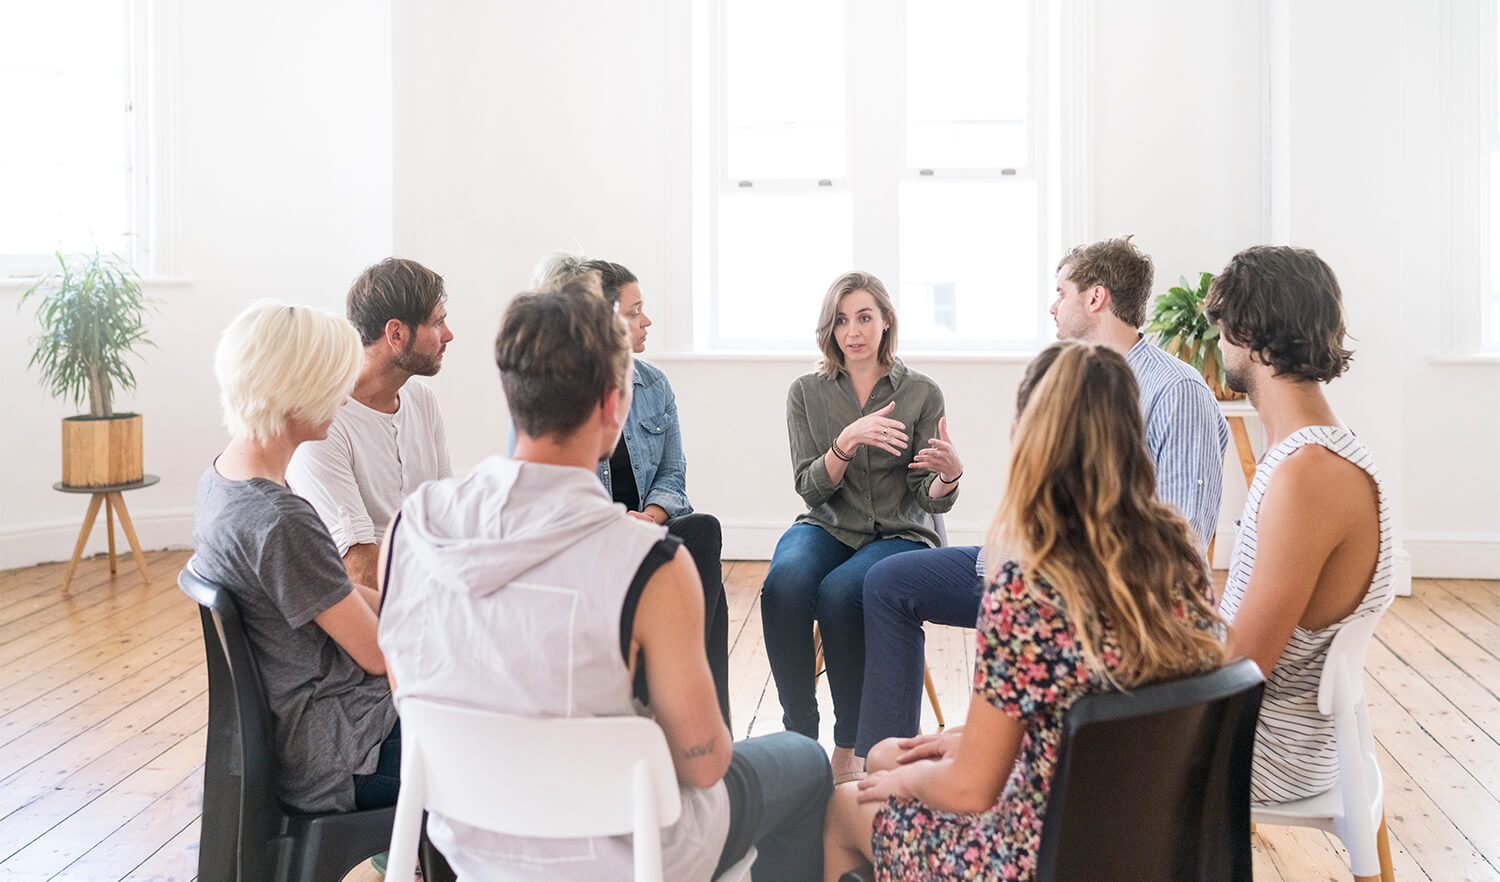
(940, 456)
(876, 430)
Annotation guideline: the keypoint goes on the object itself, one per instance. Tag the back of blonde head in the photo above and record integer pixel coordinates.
(561, 268)
(275, 360)
(1080, 511)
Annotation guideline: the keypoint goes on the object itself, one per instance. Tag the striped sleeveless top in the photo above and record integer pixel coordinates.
(1295, 755)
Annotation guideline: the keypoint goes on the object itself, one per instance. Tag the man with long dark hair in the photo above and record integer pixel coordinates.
(1313, 551)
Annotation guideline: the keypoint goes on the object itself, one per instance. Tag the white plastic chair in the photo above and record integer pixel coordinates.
(1354, 808)
(562, 778)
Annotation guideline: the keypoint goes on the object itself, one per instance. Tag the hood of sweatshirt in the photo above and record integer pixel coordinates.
(479, 533)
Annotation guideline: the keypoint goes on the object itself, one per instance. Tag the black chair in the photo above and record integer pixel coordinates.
(247, 835)
(1153, 785)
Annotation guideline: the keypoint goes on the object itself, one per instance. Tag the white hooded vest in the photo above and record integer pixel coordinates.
(505, 592)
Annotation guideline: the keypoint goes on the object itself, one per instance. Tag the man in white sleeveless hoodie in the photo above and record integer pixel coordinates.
(523, 588)
(1313, 551)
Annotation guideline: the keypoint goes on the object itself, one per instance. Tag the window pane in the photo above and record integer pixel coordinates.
(1490, 307)
(784, 71)
(968, 82)
(65, 171)
(969, 262)
(778, 253)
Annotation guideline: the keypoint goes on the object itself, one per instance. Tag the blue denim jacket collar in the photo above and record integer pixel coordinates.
(653, 436)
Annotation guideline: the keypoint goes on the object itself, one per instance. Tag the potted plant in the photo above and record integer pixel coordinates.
(92, 312)
(1183, 330)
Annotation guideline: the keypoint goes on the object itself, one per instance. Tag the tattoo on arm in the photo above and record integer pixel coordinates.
(703, 749)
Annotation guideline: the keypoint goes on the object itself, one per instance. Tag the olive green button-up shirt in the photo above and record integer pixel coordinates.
(879, 496)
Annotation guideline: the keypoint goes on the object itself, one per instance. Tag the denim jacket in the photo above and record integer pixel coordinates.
(654, 439)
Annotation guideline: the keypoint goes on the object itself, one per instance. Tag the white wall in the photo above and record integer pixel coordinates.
(477, 137)
(278, 152)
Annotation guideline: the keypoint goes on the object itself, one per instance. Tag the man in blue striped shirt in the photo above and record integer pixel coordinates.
(1102, 293)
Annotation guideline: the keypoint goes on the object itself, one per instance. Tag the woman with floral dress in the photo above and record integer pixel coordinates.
(1095, 586)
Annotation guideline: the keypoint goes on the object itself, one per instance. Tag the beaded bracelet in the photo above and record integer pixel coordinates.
(846, 457)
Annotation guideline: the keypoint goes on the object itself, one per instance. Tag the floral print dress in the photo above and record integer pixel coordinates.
(1029, 665)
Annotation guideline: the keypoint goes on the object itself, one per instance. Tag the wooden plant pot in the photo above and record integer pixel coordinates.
(1210, 368)
(99, 452)
(1211, 377)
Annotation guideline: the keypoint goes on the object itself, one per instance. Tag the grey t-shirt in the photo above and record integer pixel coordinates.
(266, 545)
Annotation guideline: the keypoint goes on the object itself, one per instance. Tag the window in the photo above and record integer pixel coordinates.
(910, 138)
(68, 162)
(1489, 307)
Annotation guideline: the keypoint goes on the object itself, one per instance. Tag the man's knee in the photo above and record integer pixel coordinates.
(810, 761)
(889, 583)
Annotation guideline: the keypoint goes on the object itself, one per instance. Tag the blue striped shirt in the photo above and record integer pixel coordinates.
(1186, 435)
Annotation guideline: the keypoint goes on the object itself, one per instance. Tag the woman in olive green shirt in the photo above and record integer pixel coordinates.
(872, 458)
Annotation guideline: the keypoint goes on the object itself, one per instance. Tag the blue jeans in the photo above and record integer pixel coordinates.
(934, 585)
(814, 575)
(778, 788)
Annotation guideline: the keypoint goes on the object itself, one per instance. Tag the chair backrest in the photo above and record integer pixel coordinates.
(1155, 783)
(1341, 694)
(563, 778)
(940, 527)
(1342, 683)
(241, 741)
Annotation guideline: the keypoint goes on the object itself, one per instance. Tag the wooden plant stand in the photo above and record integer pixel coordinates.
(109, 495)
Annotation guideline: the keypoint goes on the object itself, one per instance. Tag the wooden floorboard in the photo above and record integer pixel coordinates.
(103, 704)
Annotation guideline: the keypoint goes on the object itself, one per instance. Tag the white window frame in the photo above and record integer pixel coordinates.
(148, 34)
(1484, 310)
(1055, 107)
(1467, 111)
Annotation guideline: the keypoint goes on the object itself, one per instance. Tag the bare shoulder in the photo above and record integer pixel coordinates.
(672, 592)
(1317, 490)
(1314, 469)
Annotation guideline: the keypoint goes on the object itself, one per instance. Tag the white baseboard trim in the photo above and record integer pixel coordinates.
(756, 541)
(1454, 555)
(1401, 571)
(1423, 555)
(53, 540)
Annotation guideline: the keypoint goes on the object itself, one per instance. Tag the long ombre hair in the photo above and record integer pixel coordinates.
(1080, 512)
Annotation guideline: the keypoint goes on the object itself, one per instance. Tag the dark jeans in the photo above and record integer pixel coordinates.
(379, 788)
(701, 535)
(813, 575)
(932, 585)
(778, 787)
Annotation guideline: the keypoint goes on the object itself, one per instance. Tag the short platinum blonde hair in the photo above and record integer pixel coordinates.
(560, 268)
(276, 360)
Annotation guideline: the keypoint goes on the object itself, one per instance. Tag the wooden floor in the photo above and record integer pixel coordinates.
(103, 706)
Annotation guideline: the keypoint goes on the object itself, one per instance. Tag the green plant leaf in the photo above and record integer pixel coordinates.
(92, 315)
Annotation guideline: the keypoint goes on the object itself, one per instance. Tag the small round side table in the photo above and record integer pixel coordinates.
(109, 496)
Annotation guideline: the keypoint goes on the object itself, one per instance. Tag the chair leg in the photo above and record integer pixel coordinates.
(937, 709)
(818, 664)
(1383, 849)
